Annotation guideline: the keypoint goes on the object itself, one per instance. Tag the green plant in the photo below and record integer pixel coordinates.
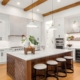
(33, 40)
(23, 40)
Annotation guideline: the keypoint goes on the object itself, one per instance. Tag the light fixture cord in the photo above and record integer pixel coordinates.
(32, 10)
(52, 13)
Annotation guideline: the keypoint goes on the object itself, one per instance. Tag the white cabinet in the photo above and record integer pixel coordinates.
(4, 27)
(59, 24)
(3, 56)
(2, 30)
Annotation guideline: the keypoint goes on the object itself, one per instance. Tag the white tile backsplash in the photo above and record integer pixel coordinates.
(15, 41)
(4, 44)
(12, 42)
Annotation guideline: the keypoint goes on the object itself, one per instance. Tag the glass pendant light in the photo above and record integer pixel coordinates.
(52, 26)
(32, 23)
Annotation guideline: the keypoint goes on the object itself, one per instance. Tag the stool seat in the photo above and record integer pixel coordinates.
(40, 66)
(68, 57)
(52, 62)
(61, 59)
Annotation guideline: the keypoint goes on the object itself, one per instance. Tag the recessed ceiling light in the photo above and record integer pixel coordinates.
(58, 0)
(38, 10)
(18, 3)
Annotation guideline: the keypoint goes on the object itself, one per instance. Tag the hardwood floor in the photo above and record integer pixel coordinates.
(74, 76)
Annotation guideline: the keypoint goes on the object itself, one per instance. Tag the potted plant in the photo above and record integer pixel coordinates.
(33, 41)
(24, 41)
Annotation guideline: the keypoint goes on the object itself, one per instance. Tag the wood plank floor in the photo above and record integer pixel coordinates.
(74, 76)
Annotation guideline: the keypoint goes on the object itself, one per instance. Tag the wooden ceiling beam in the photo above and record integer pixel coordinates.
(34, 4)
(61, 9)
(4, 2)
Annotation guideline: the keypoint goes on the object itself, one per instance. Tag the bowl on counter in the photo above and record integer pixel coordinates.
(69, 45)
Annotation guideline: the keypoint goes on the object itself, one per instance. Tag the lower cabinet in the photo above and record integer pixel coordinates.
(3, 56)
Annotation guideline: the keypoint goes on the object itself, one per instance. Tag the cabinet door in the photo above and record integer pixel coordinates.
(59, 24)
(3, 57)
(2, 29)
(0, 57)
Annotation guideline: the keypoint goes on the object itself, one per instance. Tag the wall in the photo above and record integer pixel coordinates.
(70, 27)
(19, 12)
(6, 12)
(36, 32)
(61, 16)
(65, 13)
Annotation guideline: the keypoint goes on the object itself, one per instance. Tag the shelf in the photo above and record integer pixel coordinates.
(15, 35)
(73, 40)
(74, 33)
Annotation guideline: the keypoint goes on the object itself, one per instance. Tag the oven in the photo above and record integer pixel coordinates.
(59, 43)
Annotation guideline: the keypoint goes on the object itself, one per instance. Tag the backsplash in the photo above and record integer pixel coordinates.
(15, 41)
(12, 42)
(4, 44)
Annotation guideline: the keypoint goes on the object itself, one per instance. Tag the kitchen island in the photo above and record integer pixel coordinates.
(20, 66)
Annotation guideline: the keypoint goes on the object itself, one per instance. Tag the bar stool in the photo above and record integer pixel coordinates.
(40, 67)
(53, 64)
(69, 62)
(62, 67)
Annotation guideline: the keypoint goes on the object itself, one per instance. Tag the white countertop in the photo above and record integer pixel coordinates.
(3, 48)
(73, 47)
(38, 54)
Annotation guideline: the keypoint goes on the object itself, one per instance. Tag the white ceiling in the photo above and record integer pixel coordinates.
(44, 7)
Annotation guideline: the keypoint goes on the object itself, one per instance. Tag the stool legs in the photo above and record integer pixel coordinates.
(35, 74)
(55, 71)
(62, 69)
(70, 66)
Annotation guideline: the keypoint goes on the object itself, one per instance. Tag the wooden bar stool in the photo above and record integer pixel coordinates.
(69, 62)
(53, 64)
(40, 67)
(62, 67)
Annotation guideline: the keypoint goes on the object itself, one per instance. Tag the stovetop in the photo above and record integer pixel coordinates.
(17, 47)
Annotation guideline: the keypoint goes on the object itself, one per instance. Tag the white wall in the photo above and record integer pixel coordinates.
(61, 15)
(65, 13)
(10, 10)
(70, 27)
(19, 12)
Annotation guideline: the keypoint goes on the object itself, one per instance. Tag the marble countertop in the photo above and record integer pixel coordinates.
(3, 48)
(38, 54)
(73, 47)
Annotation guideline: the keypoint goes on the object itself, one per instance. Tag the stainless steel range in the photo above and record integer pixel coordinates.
(17, 48)
(59, 43)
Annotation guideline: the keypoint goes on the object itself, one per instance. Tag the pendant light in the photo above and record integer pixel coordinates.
(52, 26)
(32, 23)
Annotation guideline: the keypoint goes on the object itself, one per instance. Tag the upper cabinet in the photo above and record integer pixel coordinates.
(4, 27)
(17, 25)
(59, 25)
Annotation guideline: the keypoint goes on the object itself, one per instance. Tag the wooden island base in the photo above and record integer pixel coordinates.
(19, 69)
